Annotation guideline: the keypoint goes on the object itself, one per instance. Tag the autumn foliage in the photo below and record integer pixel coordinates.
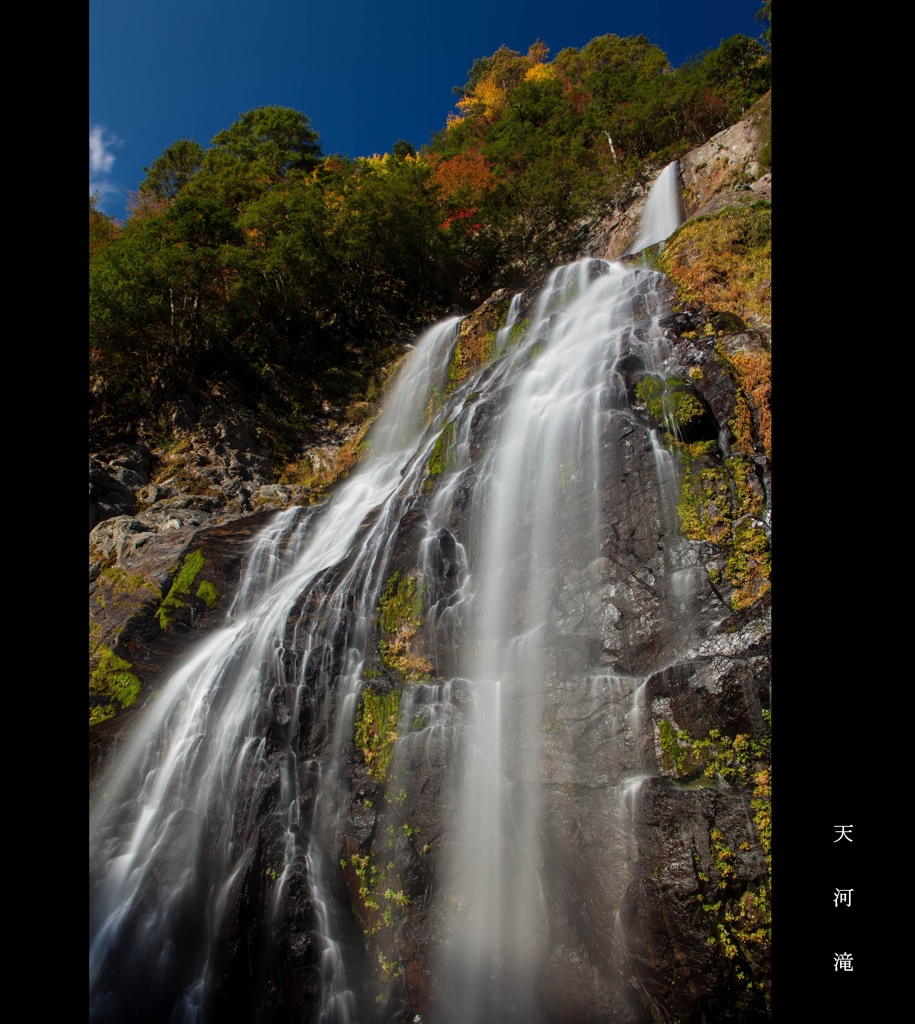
(262, 261)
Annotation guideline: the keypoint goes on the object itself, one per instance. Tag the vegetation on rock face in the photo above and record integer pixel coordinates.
(740, 917)
(111, 678)
(721, 503)
(724, 261)
(474, 348)
(753, 417)
(186, 576)
(400, 615)
(376, 730)
(441, 458)
(671, 402)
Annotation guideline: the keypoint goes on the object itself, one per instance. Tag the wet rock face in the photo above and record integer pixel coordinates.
(131, 574)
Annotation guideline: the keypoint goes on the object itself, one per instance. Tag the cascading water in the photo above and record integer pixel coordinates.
(663, 212)
(173, 824)
(538, 499)
(480, 566)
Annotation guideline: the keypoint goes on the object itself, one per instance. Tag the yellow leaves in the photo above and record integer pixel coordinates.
(507, 68)
(541, 73)
(755, 372)
(491, 96)
(486, 100)
(384, 163)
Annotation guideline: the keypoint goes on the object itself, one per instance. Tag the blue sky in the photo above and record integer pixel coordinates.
(366, 73)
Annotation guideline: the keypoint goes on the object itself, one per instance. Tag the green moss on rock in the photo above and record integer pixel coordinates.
(208, 594)
(400, 615)
(187, 573)
(671, 401)
(442, 456)
(376, 730)
(718, 504)
(112, 677)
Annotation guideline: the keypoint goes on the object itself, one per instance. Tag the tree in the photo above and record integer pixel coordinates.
(263, 148)
(402, 148)
(171, 171)
(765, 14)
(274, 140)
(102, 228)
(740, 70)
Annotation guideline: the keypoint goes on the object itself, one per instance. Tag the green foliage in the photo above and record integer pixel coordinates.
(443, 455)
(261, 262)
(474, 348)
(402, 149)
(765, 14)
(263, 147)
(171, 171)
(377, 730)
(102, 228)
(675, 756)
(126, 583)
(266, 265)
(379, 907)
(718, 504)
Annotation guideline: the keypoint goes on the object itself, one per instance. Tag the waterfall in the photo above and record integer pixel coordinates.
(663, 212)
(481, 602)
(173, 822)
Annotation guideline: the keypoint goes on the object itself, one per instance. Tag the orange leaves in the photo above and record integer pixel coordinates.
(464, 180)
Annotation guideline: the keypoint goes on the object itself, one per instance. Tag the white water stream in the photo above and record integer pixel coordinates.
(663, 212)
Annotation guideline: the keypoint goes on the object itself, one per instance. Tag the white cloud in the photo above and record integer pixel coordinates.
(101, 159)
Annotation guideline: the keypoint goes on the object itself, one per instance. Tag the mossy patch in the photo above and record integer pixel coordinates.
(442, 457)
(208, 594)
(720, 504)
(124, 582)
(752, 370)
(317, 479)
(184, 580)
(112, 678)
(400, 615)
(740, 915)
(670, 401)
(474, 348)
(517, 331)
(376, 730)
